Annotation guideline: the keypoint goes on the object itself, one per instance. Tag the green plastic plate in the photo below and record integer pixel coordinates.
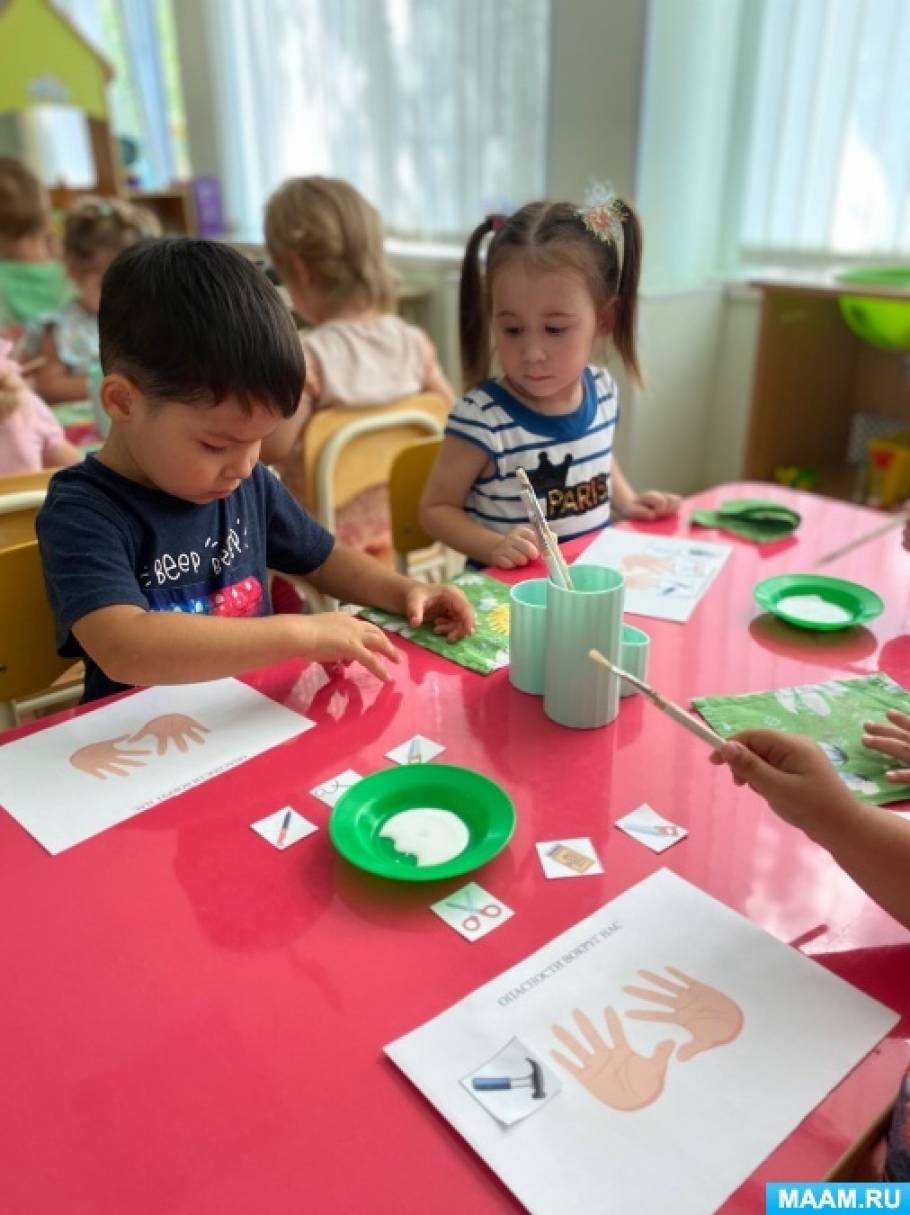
(359, 815)
(806, 599)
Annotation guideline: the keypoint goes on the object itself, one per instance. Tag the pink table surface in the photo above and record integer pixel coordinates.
(193, 1022)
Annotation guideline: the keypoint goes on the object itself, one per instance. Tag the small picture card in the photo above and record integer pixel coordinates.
(514, 1084)
(569, 858)
(331, 790)
(472, 911)
(651, 828)
(417, 750)
(284, 827)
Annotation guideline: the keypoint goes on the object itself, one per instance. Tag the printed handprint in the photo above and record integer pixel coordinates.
(103, 759)
(173, 727)
(712, 1018)
(615, 1075)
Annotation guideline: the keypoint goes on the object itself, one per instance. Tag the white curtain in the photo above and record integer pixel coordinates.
(829, 160)
(435, 109)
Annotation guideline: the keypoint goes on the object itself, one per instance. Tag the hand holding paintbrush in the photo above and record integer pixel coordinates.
(689, 722)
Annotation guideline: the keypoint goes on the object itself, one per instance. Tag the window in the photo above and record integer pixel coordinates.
(137, 38)
(828, 168)
(435, 109)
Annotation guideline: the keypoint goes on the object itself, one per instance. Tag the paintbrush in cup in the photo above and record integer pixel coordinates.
(679, 715)
(549, 545)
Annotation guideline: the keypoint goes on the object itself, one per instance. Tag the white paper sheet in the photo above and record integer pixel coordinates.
(665, 576)
(71, 781)
(715, 1115)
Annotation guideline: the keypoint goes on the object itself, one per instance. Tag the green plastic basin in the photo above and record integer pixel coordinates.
(881, 322)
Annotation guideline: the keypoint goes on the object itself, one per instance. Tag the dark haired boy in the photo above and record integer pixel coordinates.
(155, 551)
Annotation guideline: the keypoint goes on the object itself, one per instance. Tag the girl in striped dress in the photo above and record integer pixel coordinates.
(557, 280)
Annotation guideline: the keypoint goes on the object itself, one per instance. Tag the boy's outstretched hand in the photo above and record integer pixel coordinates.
(337, 637)
(447, 606)
(792, 774)
(653, 504)
(892, 740)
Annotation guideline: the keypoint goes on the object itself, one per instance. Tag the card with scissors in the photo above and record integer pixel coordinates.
(651, 828)
(331, 790)
(472, 911)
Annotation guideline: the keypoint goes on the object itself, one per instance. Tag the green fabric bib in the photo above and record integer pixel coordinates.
(30, 289)
(752, 518)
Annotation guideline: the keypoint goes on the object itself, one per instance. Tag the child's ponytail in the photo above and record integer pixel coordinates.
(627, 293)
(473, 320)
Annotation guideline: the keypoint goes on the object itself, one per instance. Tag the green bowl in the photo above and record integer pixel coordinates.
(881, 322)
(360, 814)
(781, 595)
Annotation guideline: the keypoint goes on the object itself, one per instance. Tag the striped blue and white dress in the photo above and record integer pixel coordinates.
(567, 458)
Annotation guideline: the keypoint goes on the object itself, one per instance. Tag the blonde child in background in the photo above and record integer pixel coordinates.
(31, 438)
(558, 279)
(32, 281)
(326, 241)
(95, 231)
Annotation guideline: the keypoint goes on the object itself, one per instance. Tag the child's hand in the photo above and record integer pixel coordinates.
(792, 774)
(515, 548)
(893, 739)
(337, 637)
(447, 605)
(12, 393)
(653, 504)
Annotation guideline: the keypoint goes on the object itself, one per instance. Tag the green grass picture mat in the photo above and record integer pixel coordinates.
(487, 649)
(830, 713)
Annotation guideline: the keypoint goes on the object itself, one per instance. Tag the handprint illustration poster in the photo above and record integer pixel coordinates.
(71, 781)
(665, 576)
(670, 1023)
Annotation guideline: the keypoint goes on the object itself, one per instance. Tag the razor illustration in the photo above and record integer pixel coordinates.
(533, 1081)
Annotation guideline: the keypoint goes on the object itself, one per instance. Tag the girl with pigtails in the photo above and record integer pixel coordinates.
(557, 280)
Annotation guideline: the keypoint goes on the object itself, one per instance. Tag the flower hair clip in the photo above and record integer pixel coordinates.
(602, 214)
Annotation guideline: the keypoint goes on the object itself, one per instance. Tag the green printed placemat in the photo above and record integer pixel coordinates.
(487, 649)
(831, 713)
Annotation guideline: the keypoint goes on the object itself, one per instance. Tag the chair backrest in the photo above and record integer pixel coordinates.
(21, 497)
(407, 477)
(29, 661)
(347, 450)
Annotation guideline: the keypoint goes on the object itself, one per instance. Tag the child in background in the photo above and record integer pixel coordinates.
(557, 280)
(870, 843)
(95, 231)
(32, 282)
(31, 438)
(155, 551)
(326, 242)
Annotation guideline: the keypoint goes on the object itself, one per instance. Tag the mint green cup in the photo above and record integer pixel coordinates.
(578, 692)
(528, 635)
(634, 651)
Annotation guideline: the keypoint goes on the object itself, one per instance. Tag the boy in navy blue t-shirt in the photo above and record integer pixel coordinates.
(155, 551)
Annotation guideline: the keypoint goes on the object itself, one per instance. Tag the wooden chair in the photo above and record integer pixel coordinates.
(407, 477)
(345, 451)
(21, 497)
(29, 662)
